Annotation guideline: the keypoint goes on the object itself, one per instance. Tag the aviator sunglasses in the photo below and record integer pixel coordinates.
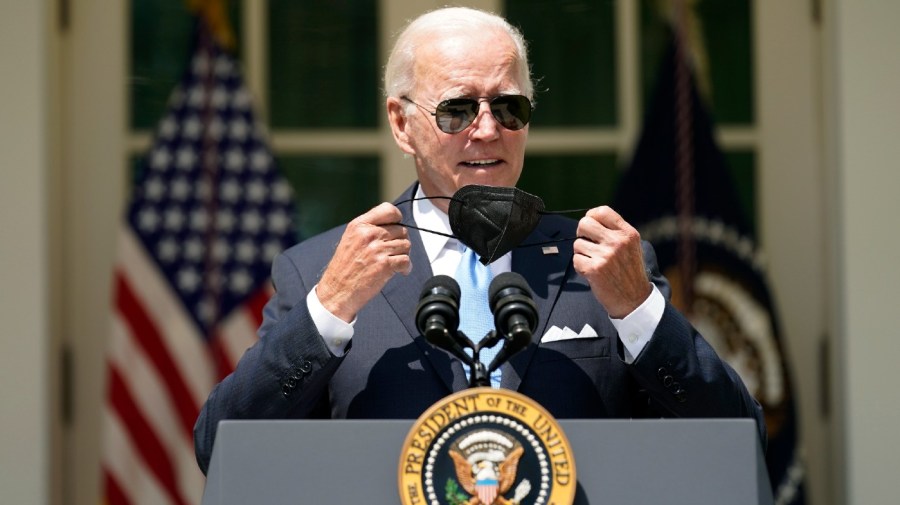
(456, 114)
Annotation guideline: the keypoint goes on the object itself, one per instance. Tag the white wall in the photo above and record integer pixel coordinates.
(24, 341)
(863, 142)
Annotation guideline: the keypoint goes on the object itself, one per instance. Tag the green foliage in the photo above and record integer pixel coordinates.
(453, 494)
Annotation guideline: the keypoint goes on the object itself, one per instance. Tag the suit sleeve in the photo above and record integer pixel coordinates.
(681, 372)
(285, 375)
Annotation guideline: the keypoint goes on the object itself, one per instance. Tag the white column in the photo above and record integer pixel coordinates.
(791, 213)
(863, 142)
(94, 178)
(24, 335)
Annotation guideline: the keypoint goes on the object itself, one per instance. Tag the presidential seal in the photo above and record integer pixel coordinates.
(485, 446)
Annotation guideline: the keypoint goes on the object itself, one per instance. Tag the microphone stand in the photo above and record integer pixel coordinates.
(478, 372)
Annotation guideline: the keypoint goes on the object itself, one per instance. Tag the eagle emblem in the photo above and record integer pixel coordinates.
(486, 462)
(486, 446)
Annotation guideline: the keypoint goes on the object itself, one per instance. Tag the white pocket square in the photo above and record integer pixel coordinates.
(555, 333)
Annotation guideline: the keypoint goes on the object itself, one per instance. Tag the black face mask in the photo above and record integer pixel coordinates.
(493, 220)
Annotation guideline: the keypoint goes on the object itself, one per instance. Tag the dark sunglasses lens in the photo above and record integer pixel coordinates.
(454, 115)
(511, 111)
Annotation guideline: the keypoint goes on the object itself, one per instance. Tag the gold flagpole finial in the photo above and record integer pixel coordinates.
(213, 13)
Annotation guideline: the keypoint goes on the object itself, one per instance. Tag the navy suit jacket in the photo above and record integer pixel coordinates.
(391, 371)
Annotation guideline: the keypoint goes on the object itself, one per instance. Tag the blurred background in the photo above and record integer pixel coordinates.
(800, 92)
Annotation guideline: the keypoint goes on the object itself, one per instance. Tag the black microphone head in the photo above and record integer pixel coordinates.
(438, 309)
(515, 313)
(437, 316)
(443, 282)
(504, 281)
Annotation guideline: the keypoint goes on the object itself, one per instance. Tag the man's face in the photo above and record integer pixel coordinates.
(472, 65)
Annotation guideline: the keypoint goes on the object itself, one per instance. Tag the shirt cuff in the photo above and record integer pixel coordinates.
(636, 329)
(335, 331)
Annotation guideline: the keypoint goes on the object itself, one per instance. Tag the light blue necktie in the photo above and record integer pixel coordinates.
(475, 317)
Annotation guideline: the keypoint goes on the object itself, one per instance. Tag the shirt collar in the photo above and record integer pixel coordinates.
(427, 216)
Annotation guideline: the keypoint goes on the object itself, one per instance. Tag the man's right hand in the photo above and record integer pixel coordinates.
(370, 252)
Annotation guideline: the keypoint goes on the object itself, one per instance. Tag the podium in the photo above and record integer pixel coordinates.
(672, 461)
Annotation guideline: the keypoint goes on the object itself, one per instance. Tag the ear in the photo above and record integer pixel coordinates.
(399, 125)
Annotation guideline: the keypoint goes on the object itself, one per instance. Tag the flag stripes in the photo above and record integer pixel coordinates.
(153, 404)
(145, 386)
(114, 493)
(148, 337)
(189, 353)
(150, 448)
(124, 469)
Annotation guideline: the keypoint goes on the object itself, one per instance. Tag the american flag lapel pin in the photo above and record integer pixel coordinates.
(550, 249)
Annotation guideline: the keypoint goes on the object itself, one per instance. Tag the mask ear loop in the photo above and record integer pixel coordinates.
(558, 240)
(448, 235)
(414, 227)
(410, 200)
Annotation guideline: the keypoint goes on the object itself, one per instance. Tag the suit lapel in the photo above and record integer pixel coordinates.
(402, 294)
(545, 273)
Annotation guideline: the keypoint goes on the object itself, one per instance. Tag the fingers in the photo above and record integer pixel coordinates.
(382, 214)
(603, 221)
(602, 231)
(609, 218)
(371, 251)
(608, 254)
(380, 223)
(395, 253)
(400, 263)
(376, 237)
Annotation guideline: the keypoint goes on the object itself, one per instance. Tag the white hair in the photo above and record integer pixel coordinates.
(399, 73)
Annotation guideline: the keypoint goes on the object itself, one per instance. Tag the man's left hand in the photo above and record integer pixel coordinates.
(608, 254)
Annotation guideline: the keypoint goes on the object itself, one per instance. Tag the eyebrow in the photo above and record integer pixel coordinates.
(473, 95)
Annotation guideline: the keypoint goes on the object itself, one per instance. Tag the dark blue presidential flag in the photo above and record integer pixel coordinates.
(679, 194)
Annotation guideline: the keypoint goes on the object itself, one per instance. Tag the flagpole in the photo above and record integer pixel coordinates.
(209, 160)
(684, 160)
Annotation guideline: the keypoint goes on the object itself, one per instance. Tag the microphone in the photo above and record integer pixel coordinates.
(437, 315)
(515, 314)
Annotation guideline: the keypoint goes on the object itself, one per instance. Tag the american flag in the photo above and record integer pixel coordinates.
(208, 213)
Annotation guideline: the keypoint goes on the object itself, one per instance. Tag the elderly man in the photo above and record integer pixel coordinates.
(339, 338)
